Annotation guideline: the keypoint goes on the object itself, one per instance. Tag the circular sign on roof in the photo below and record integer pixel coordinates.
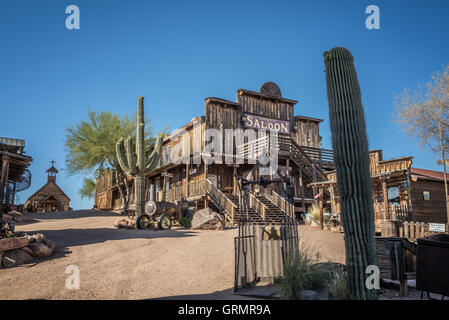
(271, 88)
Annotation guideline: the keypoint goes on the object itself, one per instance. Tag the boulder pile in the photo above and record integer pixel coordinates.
(206, 219)
(23, 248)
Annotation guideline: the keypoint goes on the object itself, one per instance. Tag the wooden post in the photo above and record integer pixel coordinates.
(234, 181)
(409, 189)
(385, 200)
(444, 170)
(187, 180)
(321, 193)
(301, 180)
(3, 181)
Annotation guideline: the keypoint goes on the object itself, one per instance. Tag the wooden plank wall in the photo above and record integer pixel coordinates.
(307, 129)
(266, 107)
(433, 210)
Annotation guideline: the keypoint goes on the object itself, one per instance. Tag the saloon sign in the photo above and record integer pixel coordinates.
(256, 122)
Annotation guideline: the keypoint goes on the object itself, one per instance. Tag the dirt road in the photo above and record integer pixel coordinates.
(135, 264)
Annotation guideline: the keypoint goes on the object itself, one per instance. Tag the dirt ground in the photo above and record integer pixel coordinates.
(135, 264)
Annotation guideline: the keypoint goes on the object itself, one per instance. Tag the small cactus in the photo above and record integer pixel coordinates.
(351, 158)
(133, 162)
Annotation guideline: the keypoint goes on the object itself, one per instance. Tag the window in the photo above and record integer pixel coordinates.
(426, 195)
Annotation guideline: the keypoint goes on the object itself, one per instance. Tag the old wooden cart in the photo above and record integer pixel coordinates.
(160, 213)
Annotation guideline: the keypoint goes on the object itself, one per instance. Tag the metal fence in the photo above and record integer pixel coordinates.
(261, 250)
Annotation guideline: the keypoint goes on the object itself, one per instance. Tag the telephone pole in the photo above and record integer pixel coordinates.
(444, 170)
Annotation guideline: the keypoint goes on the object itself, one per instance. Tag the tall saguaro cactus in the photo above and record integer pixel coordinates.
(132, 158)
(351, 158)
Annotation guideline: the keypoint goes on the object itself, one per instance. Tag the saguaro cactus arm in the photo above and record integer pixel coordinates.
(130, 155)
(155, 155)
(121, 156)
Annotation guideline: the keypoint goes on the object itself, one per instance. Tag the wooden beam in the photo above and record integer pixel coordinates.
(234, 181)
(321, 208)
(187, 179)
(385, 200)
(301, 180)
(3, 179)
(13, 243)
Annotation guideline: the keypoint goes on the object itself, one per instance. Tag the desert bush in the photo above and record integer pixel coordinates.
(338, 286)
(314, 211)
(302, 271)
(186, 222)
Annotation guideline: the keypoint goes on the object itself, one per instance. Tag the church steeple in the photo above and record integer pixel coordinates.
(52, 171)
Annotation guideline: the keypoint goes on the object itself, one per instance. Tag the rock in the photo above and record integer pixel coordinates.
(132, 224)
(14, 213)
(126, 224)
(24, 219)
(27, 250)
(308, 295)
(207, 219)
(121, 223)
(13, 243)
(37, 237)
(15, 257)
(40, 250)
(50, 244)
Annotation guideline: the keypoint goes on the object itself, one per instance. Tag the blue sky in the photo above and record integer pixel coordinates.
(176, 53)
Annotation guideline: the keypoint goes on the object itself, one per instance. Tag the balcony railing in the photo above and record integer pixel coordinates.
(192, 189)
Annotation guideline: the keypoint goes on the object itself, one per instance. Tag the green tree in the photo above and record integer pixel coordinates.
(90, 146)
(88, 188)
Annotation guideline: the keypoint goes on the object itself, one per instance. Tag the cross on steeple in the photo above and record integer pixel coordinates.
(52, 171)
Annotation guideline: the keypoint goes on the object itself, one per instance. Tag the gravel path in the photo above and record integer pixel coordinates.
(135, 264)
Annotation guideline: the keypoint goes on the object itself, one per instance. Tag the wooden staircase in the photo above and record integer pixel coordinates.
(261, 210)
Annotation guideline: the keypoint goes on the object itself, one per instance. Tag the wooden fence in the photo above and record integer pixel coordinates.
(400, 212)
(413, 230)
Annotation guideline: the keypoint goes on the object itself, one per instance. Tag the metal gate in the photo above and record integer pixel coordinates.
(261, 250)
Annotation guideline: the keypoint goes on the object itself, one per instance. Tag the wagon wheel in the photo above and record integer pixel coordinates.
(164, 222)
(143, 222)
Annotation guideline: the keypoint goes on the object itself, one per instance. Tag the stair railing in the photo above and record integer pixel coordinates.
(276, 199)
(258, 206)
(220, 199)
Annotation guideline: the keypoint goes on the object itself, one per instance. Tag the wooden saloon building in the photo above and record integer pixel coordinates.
(214, 185)
(414, 193)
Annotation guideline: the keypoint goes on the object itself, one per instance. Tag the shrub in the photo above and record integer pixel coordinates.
(301, 271)
(186, 222)
(339, 286)
(314, 211)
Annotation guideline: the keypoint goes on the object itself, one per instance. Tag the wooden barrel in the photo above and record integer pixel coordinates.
(158, 208)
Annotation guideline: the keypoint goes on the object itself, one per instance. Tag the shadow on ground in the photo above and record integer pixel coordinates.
(76, 214)
(67, 238)
(227, 294)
